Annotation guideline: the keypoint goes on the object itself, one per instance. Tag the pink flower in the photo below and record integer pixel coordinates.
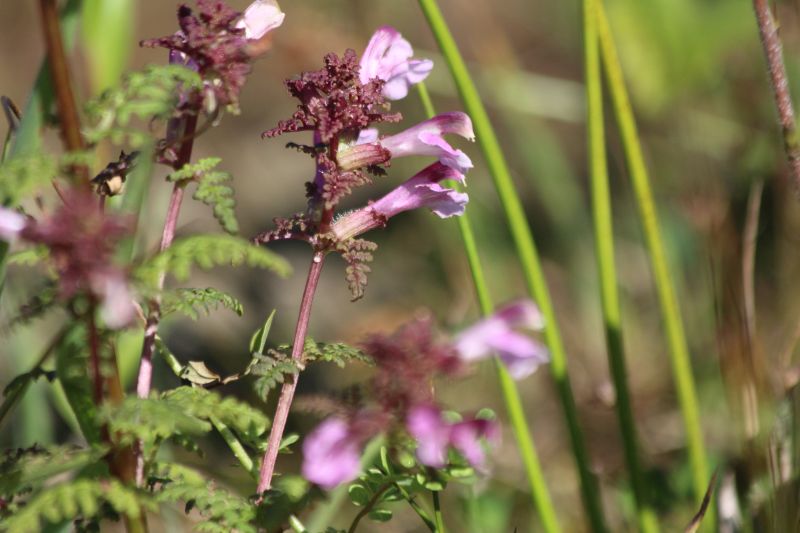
(497, 334)
(422, 190)
(331, 454)
(388, 57)
(261, 17)
(116, 300)
(11, 224)
(426, 138)
(434, 435)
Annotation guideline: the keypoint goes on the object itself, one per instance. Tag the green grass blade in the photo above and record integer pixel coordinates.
(604, 246)
(676, 338)
(511, 396)
(526, 250)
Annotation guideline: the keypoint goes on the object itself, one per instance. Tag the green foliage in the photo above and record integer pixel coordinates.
(191, 302)
(22, 175)
(271, 370)
(72, 370)
(28, 257)
(81, 498)
(28, 469)
(207, 251)
(223, 511)
(338, 353)
(182, 412)
(212, 189)
(150, 94)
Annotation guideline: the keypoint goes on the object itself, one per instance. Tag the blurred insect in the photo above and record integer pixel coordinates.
(110, 180)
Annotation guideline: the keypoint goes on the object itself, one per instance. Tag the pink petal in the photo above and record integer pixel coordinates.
(387, 57)
(423, 190)
(331, 454)
(432, 434)
(261, 17)
(116, 301)
(466, 438)
(11, 224)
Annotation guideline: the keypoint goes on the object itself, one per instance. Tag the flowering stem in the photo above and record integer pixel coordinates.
(526, 251)
(288, 388)
(511, 396)
(773, 50)
(69, 121)
(604, 247)
(676, 338)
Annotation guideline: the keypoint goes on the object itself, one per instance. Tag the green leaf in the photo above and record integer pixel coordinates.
(23, 470)
(107, 27)
(190, 302)
(207, 251)
(359, 494)
(212, 189)
(22, 175)
(287, 441)
(259, 338)
(28, 257)
(72, 370)
(380, 515)
(191, 171)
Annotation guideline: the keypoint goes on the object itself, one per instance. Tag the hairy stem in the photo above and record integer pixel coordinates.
(68, 118)
(287, 391)
(529, 260)
(773, 50)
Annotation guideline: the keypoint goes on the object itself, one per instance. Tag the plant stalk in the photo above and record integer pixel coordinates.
(604, 249)
(437, 512)
(773, 51)
(526, 251)
(287, 390)
(676, 337)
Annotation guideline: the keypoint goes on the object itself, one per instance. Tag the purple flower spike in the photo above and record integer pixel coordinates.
(434, 434)
(388, 57)
(331, 454)
(426, 138)
(261, 17)
(521, 354)
(423, 190)
(11, 224)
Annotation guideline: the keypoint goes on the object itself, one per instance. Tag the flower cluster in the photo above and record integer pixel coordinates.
(80, 238)
(407, 363)
(219, 43)
(338, 104)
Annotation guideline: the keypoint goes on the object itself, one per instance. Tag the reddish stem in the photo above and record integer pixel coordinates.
(773, 51)
(289, 386)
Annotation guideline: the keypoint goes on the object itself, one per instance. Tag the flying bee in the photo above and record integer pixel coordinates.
(110, 180)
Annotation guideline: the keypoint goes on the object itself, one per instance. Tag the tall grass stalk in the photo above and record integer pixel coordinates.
(526, 250)
(604, 249)
(676, 338)
(511, 396)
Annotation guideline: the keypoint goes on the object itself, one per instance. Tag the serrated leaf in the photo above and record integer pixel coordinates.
(207, 251)
(212, 189)
(191, 301)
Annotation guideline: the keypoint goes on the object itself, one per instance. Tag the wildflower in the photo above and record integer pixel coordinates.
(388, 58)
(434, 435)
(11, 224)
(497, 334)
(260, 17)
(331, 454)
(422, 190)
(425, 138)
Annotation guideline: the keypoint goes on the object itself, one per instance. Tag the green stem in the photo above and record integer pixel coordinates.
(526, 251)
(437, 513)
(604, 246)
(511, 396)
(235, 446)
(676, 338)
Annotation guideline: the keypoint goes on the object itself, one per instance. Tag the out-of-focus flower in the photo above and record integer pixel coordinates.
(11, 224)
(434, 435)
(388, 57)
(116, 299)
(261, 17)
(422, 190)
(497, 334)
(426, 138)
(331, 454)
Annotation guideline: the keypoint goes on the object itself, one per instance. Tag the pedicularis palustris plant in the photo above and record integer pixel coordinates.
(120, 464)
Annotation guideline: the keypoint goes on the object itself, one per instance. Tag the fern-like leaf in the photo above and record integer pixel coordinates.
(22, 175)
(212, 189)
(191, 301)
(207, 251)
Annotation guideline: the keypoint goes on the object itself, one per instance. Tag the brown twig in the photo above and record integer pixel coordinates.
(773, 50)
(69, 121)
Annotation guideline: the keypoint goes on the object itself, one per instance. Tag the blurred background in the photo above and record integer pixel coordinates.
(729, 215)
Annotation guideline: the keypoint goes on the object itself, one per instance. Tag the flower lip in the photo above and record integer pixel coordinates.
(331, 454)
(259, 18)
(388, 57)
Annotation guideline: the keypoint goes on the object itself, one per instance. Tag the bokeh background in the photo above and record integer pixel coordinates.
(699, 86)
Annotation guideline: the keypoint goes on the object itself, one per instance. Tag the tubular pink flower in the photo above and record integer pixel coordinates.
(388, 57)
(434, 435)
(426, 138)
(11, 224)
(331, 454)
(260, 17)
(521, 354)
(422, 190)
